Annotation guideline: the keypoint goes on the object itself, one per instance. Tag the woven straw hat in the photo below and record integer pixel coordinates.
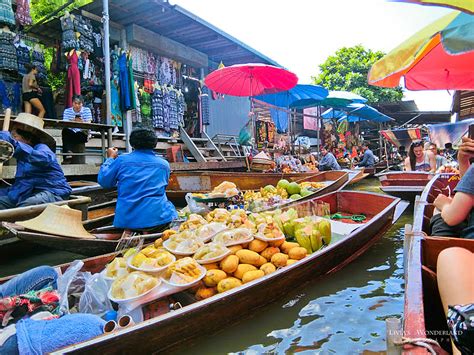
(58, 220)
(33, 124)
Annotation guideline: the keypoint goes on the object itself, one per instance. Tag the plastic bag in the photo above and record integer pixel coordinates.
(195, 207)
(68, 283)
(94, 299)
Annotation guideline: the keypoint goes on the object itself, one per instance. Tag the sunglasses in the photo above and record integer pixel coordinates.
(417, 144)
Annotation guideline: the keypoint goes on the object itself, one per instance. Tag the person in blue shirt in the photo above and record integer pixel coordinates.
(368, 159)
(328, 162)
(141, 178)
(39, 177)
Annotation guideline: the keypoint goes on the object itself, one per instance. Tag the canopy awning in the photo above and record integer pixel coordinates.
(402, 137)
(357, 112)
(301, 96)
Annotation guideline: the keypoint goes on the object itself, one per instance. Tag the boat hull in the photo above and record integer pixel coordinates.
(405, 185)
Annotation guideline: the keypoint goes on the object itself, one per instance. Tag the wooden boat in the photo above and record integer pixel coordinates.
(423, 310)
(166, 330)
(183, 182)
(405, 185)
(355, 176)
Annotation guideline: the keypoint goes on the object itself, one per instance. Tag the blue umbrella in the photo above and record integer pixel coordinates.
(341, 99)
(357, 112)
(300, 96)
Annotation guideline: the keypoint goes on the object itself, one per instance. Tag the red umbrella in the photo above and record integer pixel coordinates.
(250, 80)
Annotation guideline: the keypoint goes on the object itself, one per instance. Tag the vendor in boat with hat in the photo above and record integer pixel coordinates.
(39, 177)
(141, 178)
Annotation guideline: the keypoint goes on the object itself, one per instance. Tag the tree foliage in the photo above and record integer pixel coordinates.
(41, 8)
(347, 70)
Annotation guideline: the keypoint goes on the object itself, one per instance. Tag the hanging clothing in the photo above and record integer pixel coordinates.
(115, 102)
(8, 60)
(131, 83)
(23, 58)
(37, 59)
(157, 110)
(69, 39)
(73, 82)
(23, 16)
(125, 92)
(6, 13)
(205, 115)
(136, 114)
(181, 105)
(166, 110)
(98, 51)
(173, 123)
(145, 108)
(114, 63)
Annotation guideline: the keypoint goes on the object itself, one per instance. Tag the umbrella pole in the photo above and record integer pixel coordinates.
(318, 132)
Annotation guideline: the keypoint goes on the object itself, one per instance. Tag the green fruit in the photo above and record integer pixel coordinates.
(283, 183)
(295, 196)
(303, 236)
(305, 192)
(325, 228)
(293, 188)
(289, 229)
(270, 188)
(315, 240)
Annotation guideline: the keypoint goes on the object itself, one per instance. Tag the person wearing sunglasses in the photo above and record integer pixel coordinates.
(420, 160)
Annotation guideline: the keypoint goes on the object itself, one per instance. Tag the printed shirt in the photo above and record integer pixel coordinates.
(329, 162)
(141, 179)
(37, 170)
(466, 185)
(368, 159)
(85, 113)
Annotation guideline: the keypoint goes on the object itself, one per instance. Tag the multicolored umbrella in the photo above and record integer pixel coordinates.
(438, 57)
(250, 80)
(463, 5)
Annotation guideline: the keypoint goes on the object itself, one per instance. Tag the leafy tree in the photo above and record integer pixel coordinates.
(42, 8)
(347, 70)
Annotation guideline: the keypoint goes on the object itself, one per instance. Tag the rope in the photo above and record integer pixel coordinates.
(422, 342)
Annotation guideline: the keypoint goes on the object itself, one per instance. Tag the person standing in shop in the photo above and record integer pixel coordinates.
(32, 91)
(74, 139)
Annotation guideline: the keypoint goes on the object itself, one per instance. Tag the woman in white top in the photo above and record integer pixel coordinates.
(420, 160)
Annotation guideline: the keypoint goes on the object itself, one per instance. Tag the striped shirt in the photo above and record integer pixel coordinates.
(85, 113)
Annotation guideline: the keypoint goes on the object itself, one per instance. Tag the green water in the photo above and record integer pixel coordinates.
(341, 313)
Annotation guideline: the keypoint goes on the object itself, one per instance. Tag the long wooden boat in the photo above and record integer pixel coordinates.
(183, 182)
(405, 185)
(167, 330)
(423, 311)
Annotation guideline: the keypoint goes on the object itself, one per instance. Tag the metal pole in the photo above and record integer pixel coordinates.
(108, 101)
(380, 142)
(319, 122)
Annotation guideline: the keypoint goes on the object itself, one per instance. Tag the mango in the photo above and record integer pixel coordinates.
(205, 292)
(268, 268)
(233, 249)
(211, 266)
(290, 262)
(242, 269)
(287, 246)
(252, 275)
(228, 284)
(257, 245)
(229, 263)
(269, 252)
(247, 257)
(260, 261)
(279, 259)
(297, 253)
(276, 243)
(213, 277)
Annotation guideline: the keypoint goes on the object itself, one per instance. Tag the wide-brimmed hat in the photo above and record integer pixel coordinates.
(58, 220)
(33, 124)
(6, 151)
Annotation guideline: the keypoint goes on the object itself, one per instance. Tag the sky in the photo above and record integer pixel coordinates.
(301, 34)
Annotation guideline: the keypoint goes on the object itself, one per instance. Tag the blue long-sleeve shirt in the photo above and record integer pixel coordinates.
(37, 170)
(368, 159)
(141, 179)
(329, 162)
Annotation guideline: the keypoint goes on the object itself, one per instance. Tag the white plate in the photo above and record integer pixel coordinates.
(205, 240)
(213, 260)
(150, 270)
(237, 242)
(261, 237)
(183, 286)
(165, 244)
(135, 299)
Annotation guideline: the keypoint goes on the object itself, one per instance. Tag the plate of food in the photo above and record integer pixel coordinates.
(207, 231)
(269, 232)
(151, 260)
(184, 273)
(234, 236)
(132, 287)
(211, 253)
(183, 244)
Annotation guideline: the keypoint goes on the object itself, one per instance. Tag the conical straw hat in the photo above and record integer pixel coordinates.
(58, 220)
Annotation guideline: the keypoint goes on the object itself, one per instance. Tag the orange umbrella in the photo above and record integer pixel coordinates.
(463, 5)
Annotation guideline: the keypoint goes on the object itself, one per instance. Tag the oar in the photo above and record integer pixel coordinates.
(6, 126)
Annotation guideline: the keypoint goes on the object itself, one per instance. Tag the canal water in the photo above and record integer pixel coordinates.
(340, 313)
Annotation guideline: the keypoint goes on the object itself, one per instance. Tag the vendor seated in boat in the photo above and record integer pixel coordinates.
(39, 177)
(328, 161)
(141, 178)
(455, 216)
(420, 160)
(368, 159)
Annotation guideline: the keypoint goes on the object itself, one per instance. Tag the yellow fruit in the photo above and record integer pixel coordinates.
(233, 249)
(287, 246)
(252, 275)
(213, 277)
(257, 245)
(261, 261)
(229, 263)
(268, 268)
(248, 257)
(211, 266)
(205, 292)
(269, 252)
(242, 269)
(228, 284)
(138, 259)
(276, 243)
(279, 259)
(290, 262)
(158, 243)
(148, 251)
(297, 253)
(168, 233)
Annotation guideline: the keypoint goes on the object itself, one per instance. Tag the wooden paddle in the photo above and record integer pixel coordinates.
(6, 126)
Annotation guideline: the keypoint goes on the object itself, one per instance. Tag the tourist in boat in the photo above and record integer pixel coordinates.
(30, 314)
(455, 217)
(449, 152)
(74, 139)
(368, 159)
(39, 177)
(328, 161)
(440, 160)
(141, 178)
(457, 295)
(32, 91)
(419, 160)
